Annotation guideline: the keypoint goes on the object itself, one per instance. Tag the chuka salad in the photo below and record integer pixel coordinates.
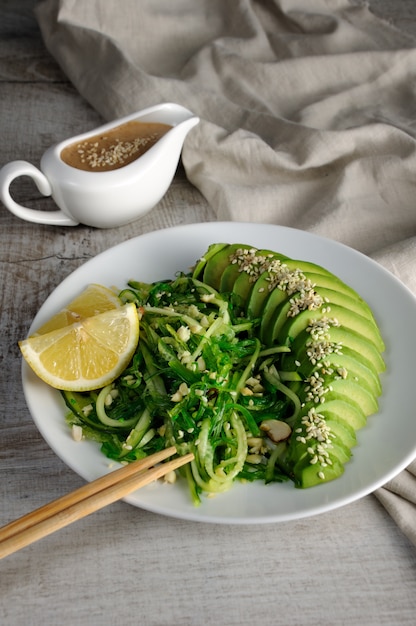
(264, 367)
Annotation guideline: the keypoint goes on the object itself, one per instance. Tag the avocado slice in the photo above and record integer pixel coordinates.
(292, 326)
(307, 268)
(355, 343)
(329, 280)
(272, 254)
(258, 296)
(233, 273)
(348, 390)
(217, 263)
(333, 296)
(298, 449)
(306, 475)
(321, 457)
(228, 278)
(201, 263)
(311, 462)
(343, 365)
(341, 430)
(350, 343)
(242, 288)
(277, 298)
(221, 260)
(341, 410)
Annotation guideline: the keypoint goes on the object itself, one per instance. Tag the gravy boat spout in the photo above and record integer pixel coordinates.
(167, 150)
(110, 190)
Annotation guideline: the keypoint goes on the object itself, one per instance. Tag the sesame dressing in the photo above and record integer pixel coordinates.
(114, 149)
(313, 430)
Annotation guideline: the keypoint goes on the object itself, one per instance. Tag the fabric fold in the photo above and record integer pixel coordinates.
(398, 496)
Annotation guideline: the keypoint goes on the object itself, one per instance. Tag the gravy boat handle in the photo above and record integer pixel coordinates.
(13, 170)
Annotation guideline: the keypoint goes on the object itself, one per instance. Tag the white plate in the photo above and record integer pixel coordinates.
(385, 446)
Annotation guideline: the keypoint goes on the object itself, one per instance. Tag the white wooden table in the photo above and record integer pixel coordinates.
(123, 565)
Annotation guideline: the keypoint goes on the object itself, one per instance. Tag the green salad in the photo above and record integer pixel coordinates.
(262, 366)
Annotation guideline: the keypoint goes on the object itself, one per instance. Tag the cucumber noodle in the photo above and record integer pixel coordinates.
(200, 380)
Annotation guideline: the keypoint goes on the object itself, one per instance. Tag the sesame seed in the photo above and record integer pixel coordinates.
(316, 434)
(115, 154)
(278, 276)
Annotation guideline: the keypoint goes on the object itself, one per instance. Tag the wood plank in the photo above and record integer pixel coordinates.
(25, 59)
(17, 17)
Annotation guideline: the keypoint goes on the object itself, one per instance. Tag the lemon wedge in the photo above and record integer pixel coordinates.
(86, 354)
(93, 300)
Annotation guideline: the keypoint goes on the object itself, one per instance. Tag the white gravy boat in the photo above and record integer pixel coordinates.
(108, 198)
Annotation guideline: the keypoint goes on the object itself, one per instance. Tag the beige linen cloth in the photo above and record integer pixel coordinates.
(308, 116)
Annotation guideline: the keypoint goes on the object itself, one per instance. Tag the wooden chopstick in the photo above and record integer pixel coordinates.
(87, 499)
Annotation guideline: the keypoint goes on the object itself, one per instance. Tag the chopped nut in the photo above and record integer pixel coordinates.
(276, 430)
(170, 477)
(204, 321)
(185, 357)
(255, 459)
(184, 333)
(76, 432)
(108, 400)
(183, 389)
(255, 444)
(258, 389)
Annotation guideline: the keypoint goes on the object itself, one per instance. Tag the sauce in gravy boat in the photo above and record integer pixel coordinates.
(109, 176)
